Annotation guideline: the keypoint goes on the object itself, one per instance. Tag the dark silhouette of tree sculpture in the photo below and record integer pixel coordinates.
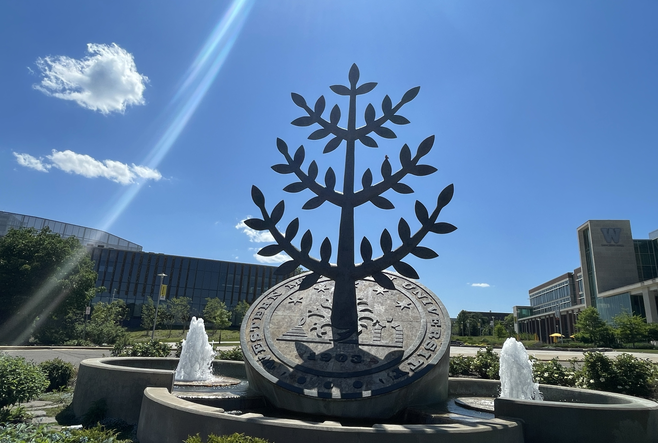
(345, 273)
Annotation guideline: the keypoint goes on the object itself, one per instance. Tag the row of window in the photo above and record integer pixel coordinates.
(133, 276)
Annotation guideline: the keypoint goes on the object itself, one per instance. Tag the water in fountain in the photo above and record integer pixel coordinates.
(197, 354)
(516, 373)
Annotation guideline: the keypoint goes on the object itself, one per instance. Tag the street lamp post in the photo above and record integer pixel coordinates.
(157, 305)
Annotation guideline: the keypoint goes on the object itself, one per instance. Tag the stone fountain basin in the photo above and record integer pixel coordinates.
(139, 390)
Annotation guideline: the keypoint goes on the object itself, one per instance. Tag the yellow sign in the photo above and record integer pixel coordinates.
(163, 292)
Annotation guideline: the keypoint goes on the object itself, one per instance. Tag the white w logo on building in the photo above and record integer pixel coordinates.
(611, 234)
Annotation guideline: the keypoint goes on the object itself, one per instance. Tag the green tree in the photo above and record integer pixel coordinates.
(179, 308)
(508, 323)
(630, 328)
(240, 311)
(500, 331)
(592, 328)
(148, 315)
(45, 283)
(20, 380)
(105, 325)
(216, 313)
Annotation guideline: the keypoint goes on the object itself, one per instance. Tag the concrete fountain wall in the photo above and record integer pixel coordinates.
(138, 390)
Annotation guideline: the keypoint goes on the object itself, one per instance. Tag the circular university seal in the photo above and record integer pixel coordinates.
(287, 339)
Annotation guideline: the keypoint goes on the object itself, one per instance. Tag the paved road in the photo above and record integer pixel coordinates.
(551, 354)
(71, 355)
(76, 355)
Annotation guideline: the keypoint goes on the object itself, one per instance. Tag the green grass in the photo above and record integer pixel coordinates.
(176, 335)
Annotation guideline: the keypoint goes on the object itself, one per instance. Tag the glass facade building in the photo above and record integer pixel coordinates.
(618, 274)
(130, 274)
(133, 277)
(87, 236)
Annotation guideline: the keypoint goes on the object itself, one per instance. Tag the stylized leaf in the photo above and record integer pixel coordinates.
(292, 229)
(309, 280)
(425, 146)
(401, 188)
(334, 117)
(382, 280)
(384, 132)
(381, 202)
(298, 159)
(306, 242)
(257, 197)
(282, 169)
(354, 75)
(319, 106)
(303, 121)
(442, 228)
(386, 242)
(366, 180)
(319, 134)
(340, 89)
(313, 203)
(421, 170)
(405, 269)
(325, 250)
(366, 250)
(299, 100)
(277, 212)
(286, 268)
(399, 120)
(424, 253)
(410, 94)
(295, 187)
(332, 144)
(281, 146)
(270, 250)
(365, 88)
(367, 141)
(370, 113)
(313, 170)
(386, 168)
(421, 212)
(330, 179)
(405, 155)
(387, 105)
(403, 230)
(445, 196)
(256, 224)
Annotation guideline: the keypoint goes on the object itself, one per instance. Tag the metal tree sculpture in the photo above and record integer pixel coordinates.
(346, 272)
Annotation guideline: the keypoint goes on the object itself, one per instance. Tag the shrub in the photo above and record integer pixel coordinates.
(30, 433)
(625, 375)
(231, 354)
(461, 365)
(58, 371)
(635, 376)
(14, 415)
(148, 349)
(233, 438)
(94, 414)
(554, 373)
(487, 363)
(20, 380)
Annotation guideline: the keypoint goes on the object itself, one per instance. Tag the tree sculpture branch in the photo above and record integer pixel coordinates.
(345, 272)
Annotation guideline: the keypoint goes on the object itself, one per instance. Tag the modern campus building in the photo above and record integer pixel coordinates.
(617, 274)
(130, 274)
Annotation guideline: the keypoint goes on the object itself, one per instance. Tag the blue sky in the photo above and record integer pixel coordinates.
(152, 120)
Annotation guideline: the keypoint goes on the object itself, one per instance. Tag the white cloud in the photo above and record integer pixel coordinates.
(480, 285)
(255, 236)
(106, 80)
(261, 237)
(279, 258)
(31, 162)
(87, 166)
